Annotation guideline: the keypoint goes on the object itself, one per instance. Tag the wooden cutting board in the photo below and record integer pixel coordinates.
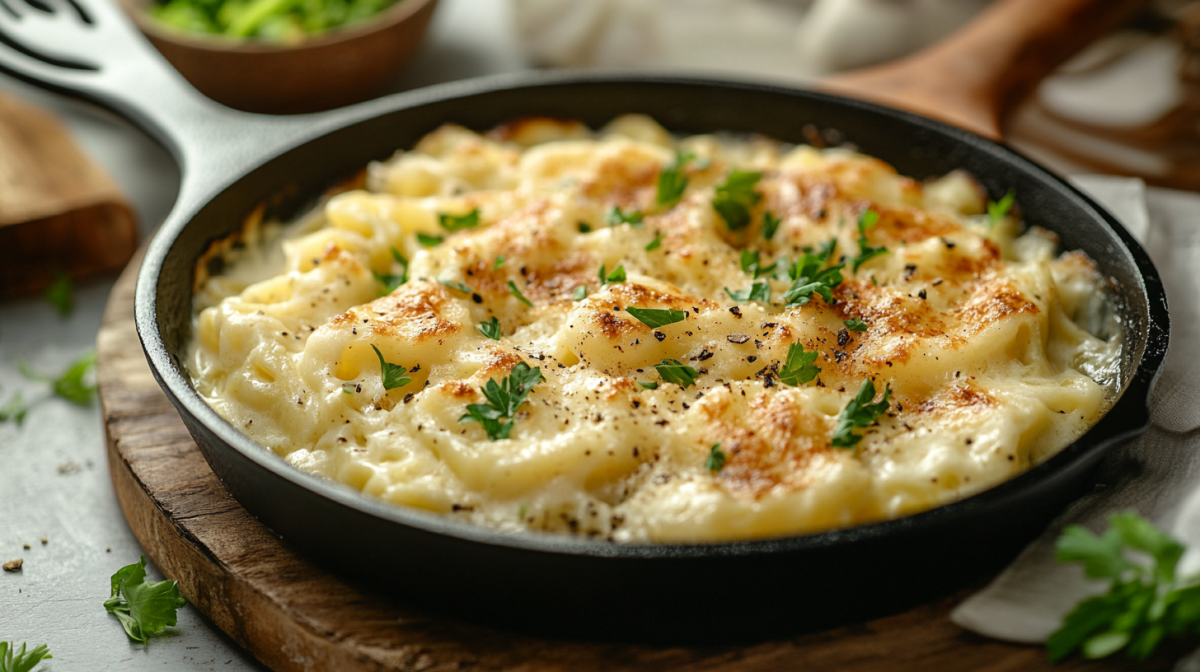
(58, 211)
(293, 615)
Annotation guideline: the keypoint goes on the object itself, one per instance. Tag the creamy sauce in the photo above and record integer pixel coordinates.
(980, 335)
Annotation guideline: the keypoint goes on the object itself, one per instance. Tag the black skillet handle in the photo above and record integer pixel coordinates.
(90, 49)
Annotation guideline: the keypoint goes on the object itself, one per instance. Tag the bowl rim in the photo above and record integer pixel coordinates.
(397, 13)
(1127, 417)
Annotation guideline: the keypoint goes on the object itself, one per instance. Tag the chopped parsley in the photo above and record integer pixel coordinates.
(770, 224)
(491, 329)
(647, 384)
(12, 660)
(143, 607)
(675, 371)
(391, 282)
(654, 244)
(998, 210)
(457, 285)
(807, 279)
(752, 265)
(453, 223)
(584, 227)
(61, 293)
(716, 459)
(655, 318)
(14, 410)
(512, 289)
(633, 217)
(503, 400)
(618, 275)
(671, 181)
(428, 240)
(499, 263)
(760, 290)
(392, 375)
(735, 196)
(855, 324)
(70, 384)
(1144, 604)
(580, 293)
(799, 369)
(859, 413)
(866, 220)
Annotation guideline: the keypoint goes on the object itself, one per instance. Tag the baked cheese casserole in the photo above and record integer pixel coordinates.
(626, 335)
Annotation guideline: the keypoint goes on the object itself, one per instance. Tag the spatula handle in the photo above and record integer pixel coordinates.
(977, 76)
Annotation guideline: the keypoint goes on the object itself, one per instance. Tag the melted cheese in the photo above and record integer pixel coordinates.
(981, 336)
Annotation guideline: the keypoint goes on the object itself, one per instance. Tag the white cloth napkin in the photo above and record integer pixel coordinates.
(1158, 475)
(784, 38)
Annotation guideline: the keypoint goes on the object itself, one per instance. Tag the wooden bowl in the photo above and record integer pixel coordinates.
(346, 65)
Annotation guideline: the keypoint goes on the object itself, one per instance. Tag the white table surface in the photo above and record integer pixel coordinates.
(54, 479)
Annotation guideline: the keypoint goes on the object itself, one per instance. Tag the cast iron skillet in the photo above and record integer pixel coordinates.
(232, 162)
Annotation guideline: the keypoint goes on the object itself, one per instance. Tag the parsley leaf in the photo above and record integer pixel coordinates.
(759, 290)
(799, 369)
(499, 262)
(512, 289)
(580, 293)
(12, 660)
(428, 240)
(998, 210)
(866, 220)
(1143, 605)
(503, 399)
(647, 384)
(770, 225)
(716, 459)
(453, 223)
(391, 282)
(654, 244)
(457, 285)
(672, 181)
(143, 607)
(69, 385)
(675, 371)
(491, 329)
(60, 293)
(751, 265)
(632, 218)
(392, 375)
(859, 413)
(735, 196)
(618, 275)
(655, 318)
(14, 410)
(855, 324)
(807, 279)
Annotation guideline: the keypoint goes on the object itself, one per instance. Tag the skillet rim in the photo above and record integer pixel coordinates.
(1125, 419)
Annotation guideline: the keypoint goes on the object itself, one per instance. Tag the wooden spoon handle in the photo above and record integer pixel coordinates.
(975, 77)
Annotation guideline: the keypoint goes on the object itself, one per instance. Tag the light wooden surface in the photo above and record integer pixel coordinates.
(976, 77)
(294, 616)
(58, 211)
